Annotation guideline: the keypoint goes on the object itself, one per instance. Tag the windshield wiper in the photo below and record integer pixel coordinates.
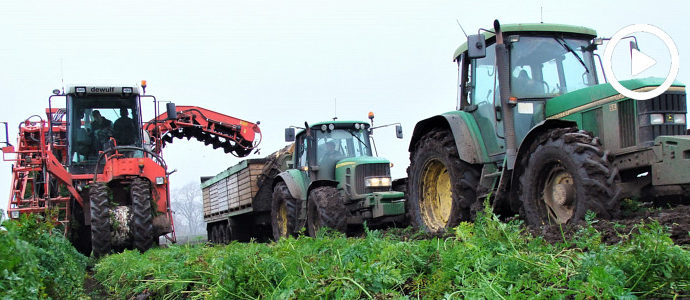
(360, 140)
(565, 45)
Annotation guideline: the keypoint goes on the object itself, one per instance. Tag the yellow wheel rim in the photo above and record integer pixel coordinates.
(559, 195)
(282, 220)
(437, 199)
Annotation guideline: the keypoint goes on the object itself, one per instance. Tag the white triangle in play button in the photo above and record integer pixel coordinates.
(640, 62)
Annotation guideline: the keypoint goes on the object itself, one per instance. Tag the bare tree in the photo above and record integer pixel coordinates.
(188, 209)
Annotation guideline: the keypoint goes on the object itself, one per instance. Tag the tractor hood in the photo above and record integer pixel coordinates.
(361, 160)
(599, 94)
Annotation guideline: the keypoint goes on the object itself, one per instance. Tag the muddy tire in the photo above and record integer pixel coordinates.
(441, 188)
(214, 234)
(79, 233)
(566, 174)
(325, 208)
(222, 232)
(283, 212)
(142, 216)
(101, 229)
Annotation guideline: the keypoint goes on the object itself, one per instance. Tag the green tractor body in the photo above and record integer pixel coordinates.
(537, 134)
(334, 180)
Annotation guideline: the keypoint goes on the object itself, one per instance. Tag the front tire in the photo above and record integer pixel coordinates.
(283, 212)
(101, 231)
(566, 174)
(325, 208)
(441, 187)
(142, 227)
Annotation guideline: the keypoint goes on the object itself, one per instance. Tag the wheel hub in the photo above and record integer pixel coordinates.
(437, 199)
(282, 220)
(559, 195)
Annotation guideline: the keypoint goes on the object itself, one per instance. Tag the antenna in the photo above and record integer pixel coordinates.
(62, 76)
(541, 12)
(335, 108)
(463, 29)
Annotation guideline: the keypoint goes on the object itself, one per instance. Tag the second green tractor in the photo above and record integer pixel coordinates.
(334, 180)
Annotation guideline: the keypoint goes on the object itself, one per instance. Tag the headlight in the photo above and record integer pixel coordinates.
(377, 181)
(160, 180)
(15, 215)
(656, 119)
(679, 118)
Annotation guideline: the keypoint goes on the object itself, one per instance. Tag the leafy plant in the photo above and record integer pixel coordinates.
(484, 259)
(36, 261)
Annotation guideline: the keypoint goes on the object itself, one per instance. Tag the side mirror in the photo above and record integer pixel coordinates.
(398, 131)
(171, 110)
(476, 46)
(290, 134)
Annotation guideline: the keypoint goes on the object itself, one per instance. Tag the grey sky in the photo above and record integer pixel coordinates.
(280, 62)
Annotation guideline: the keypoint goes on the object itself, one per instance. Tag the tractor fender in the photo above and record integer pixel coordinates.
(523, 149)
(320, 183)
(469, 147)
(294, 181)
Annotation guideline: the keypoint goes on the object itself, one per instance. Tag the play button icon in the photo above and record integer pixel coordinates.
(640, 62)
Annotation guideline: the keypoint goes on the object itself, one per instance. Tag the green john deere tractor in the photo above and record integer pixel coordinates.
(536, 133)
(334, 181)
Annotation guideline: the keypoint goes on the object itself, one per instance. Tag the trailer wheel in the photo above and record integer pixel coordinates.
(142, 223)
(214, 233)
(283, 212)
(100, 219)
(325, 208)
(441, 187)
(565, 174)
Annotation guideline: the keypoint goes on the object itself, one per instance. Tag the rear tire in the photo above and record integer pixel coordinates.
(101, 230)
(566, 174)
(441, 187)
(283, 212)
(326, 208)
(142, 223)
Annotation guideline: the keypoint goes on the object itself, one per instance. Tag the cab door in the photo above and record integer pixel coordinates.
(485, 102)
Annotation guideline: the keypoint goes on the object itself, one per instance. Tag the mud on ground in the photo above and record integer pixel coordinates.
(676, 219)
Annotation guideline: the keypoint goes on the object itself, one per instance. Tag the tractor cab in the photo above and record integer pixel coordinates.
(100, 118)
(545, 61)
(324, 145)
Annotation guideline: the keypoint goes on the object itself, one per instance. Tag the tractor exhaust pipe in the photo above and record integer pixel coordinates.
(506, 105)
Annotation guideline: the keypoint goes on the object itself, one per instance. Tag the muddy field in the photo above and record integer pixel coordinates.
(676, 219)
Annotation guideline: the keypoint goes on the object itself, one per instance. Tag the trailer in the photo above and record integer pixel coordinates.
(237, 201)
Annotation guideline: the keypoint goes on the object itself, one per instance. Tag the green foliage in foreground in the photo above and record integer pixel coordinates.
(488, 259)
(38, 262)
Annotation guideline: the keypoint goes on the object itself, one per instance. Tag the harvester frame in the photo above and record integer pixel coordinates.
(109, 196)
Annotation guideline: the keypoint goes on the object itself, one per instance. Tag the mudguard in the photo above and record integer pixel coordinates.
(295, 182)
(465, 132)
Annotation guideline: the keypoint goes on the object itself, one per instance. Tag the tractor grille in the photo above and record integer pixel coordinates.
(367, 170)
(626, 117)
(667, 103)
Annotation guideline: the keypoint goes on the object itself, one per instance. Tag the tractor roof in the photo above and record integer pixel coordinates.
(337, 123)
(533, 27)
(102, 89)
